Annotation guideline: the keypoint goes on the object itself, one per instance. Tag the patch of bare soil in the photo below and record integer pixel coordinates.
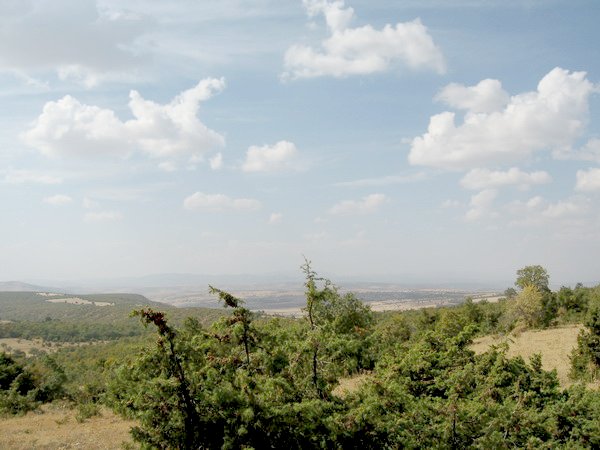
(56, 427)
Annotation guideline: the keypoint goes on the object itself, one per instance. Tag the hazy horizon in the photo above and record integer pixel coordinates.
(428, 142)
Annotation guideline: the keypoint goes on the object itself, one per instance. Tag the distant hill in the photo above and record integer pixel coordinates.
(41, 304)
(57, 316)
(19, 286)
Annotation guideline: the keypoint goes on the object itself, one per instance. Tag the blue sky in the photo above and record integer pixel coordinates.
(416, 140)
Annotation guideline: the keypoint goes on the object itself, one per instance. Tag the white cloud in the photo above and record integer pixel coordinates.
(485, 97)
(550, 118)
(565, 208)
(272, 158)
(588, 180)
(384, 181)
(275, 218)
(13, 176)
(590, 151)
(316, 237)
(72, 37)
(88, 203)
(363, 50)
(216, 162)
(167, 166)
(538, 211)
(69, 128)
(451, 203)
(478, 179)
(219, 202)
(58, 200)
(366, 205)
(102, 216)
(481, 204)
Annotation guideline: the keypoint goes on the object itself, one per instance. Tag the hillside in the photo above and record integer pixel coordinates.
(554, 344)
(61, 317)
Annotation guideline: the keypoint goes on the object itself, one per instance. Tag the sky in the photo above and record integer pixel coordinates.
(416, 140)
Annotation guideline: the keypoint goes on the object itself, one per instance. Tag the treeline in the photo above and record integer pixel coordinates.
(71, 331)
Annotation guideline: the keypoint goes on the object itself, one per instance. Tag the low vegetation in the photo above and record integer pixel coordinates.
(339, 377)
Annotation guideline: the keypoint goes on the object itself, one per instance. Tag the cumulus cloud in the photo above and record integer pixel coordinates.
(271, 158)
(69, 128)
(565, 208)
(552, 117)
(13, 176)
(384, 181)
(485, 97)
(481, 204)
(366, 205)
(362, 50)
(588, 180)
(88, 203)
(216, 162)
(102, 216)
(87, 44)
(200, 201)
(590, 151)
(167, 166)
(478, 179)
(450, 203)
(538, 211)
(58, 200)
(275, 218)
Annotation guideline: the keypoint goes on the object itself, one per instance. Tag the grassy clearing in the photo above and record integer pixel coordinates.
(56, 427)
(29, 346)
(555, 345)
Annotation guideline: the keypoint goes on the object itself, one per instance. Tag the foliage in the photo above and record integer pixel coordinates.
(527, 307)
(533, 276)
(267, 383)
(17, 388)
(586, 357)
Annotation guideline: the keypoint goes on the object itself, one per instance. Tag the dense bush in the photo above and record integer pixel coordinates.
(247, 383)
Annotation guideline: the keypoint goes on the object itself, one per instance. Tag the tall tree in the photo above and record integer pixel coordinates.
(533, 276)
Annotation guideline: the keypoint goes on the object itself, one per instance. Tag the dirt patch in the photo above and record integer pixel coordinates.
(55, 427)
(555, 345)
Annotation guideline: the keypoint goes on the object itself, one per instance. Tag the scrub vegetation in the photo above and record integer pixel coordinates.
(341, 376)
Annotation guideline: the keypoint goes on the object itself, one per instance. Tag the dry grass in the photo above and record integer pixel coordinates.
(351, 384)
(26, 346)
(56, 427)
(555, 346)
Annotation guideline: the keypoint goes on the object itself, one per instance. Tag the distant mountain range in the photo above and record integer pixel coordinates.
(19, 286)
